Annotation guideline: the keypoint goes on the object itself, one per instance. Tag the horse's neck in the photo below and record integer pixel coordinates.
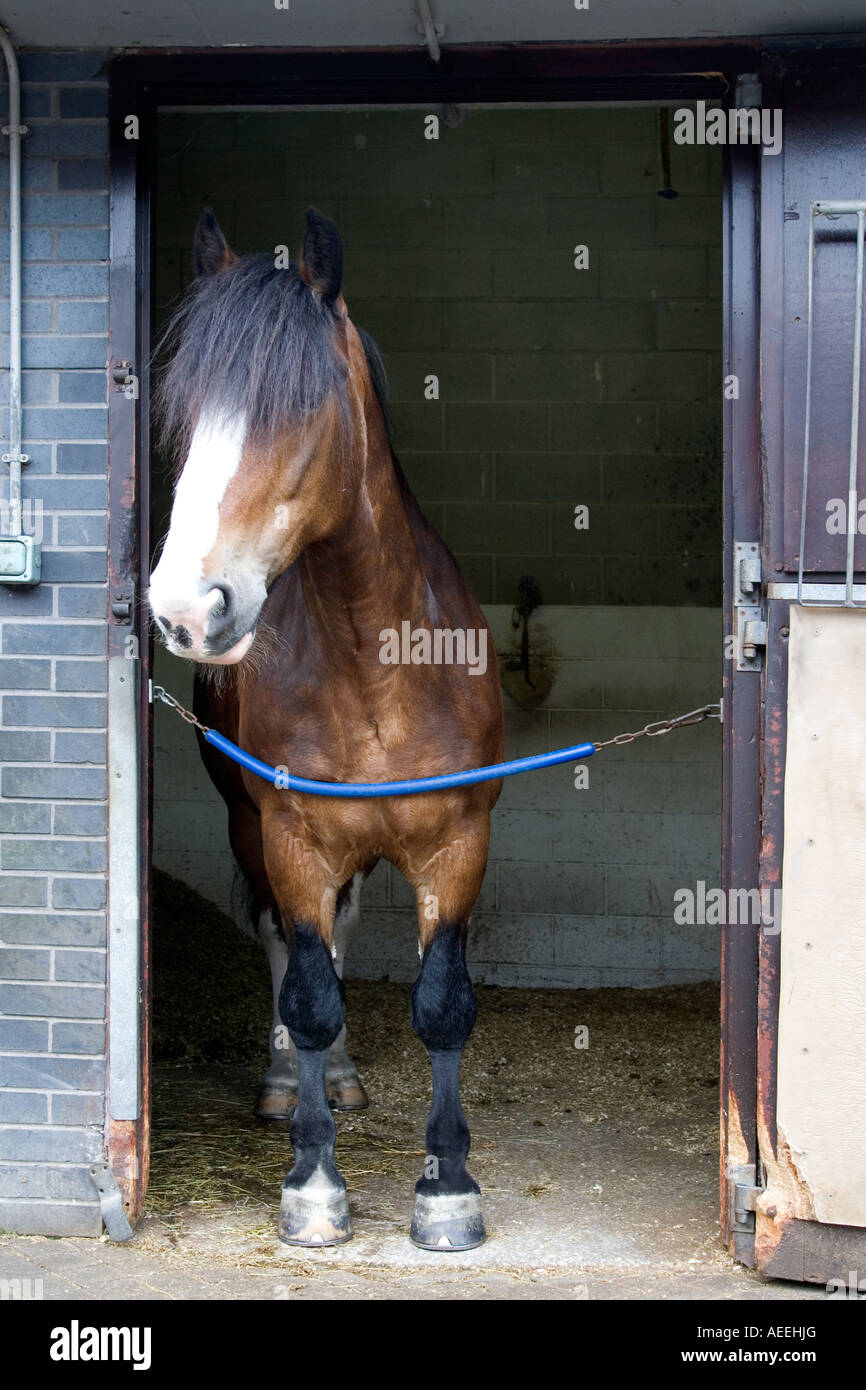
(369, 575)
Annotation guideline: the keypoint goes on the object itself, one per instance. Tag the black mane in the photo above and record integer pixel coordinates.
(379, 378)
(252, 338)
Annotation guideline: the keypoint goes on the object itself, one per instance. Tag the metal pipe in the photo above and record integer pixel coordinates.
(855, 418)
(14, 130)
(810, 293)
(428, 28)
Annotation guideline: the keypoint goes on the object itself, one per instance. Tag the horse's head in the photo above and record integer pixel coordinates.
(257, 402)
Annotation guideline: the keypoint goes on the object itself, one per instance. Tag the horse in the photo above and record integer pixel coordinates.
(295, 551)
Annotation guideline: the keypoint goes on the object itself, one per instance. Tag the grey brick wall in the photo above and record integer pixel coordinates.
(53, 669)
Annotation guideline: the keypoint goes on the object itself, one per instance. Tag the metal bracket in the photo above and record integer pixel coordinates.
(750, 626)
(114, 1218)
(121, 608)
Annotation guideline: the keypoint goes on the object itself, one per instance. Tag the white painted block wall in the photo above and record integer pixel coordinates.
(580, 885)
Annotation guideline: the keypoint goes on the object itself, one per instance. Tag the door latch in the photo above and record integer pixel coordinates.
(750, 624)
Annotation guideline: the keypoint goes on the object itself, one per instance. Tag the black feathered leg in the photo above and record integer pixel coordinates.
(447, 1212)
(314, 1209)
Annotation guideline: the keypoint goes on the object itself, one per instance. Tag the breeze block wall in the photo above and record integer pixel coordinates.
(557, 387)
(53, 667)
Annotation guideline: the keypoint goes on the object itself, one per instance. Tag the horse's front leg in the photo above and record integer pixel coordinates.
(447, 1213)
(314, 1209)
(278, 1094)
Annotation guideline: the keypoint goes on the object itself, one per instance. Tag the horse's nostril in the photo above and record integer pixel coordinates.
(164, 626)
(222, 615)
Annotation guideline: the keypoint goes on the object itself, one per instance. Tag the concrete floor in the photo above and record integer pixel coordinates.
(74, 1270)
(598, 1167)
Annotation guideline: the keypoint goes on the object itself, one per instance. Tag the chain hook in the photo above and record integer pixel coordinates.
(160, 693)
(664, 726)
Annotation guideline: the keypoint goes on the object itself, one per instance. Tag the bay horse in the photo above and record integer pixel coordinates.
(295, 547)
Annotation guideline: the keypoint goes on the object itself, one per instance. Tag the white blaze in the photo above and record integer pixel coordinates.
(214, 456)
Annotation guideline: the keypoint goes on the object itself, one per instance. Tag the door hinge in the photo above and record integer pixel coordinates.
(744, 1202)
(743, 1194)
(750, 624)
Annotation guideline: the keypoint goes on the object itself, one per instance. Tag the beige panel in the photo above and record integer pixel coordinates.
(822, 1020)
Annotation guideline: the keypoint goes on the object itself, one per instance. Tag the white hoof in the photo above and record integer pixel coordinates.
(316, 1214)
(448, 1222)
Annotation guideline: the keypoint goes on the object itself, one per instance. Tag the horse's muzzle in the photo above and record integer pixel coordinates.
(214, 627)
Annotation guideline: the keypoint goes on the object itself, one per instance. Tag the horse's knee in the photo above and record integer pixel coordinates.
(311, 1003)
(443, 1000)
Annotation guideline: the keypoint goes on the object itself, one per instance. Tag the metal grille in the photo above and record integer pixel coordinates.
(843, 208)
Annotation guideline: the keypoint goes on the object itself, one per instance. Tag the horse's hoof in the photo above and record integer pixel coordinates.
(314, 1218)
(448, 1222)
(275, 1103)
(347, 1094)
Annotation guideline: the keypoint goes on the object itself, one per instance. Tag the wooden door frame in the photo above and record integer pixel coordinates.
(532, 75)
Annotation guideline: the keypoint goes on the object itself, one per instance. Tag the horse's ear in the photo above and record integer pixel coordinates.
(321, 262)
(210, 250)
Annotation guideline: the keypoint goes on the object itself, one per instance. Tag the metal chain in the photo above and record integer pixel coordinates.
(159, 693)
(664, 726)
(660, 726)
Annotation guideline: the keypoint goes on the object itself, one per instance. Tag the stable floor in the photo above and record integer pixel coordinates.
(598, 1164)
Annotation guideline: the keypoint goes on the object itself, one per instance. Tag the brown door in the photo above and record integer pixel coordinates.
(794, 985)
